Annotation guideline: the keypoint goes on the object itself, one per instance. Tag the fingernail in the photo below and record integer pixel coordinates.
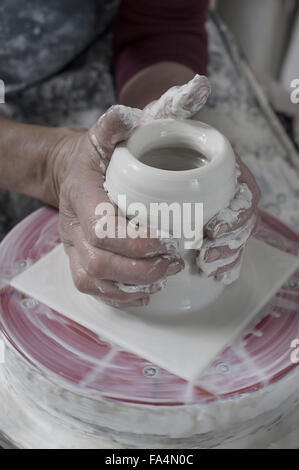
(174, 268)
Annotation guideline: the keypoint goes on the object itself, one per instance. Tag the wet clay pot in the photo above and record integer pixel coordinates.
(170, 161)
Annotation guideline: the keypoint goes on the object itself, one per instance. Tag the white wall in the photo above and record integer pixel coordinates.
(290, 69)
(262, 28)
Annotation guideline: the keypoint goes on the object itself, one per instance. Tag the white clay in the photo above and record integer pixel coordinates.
(241, 201)
(147, 288)
(29, 421)
(180, 103)
(97, 146)
(167, 343)
(129, 116)
(143, 183)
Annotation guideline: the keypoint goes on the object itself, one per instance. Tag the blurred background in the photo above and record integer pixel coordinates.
(268, 33)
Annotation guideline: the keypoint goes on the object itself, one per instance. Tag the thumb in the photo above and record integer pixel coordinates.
(180, 102)
(112, 128)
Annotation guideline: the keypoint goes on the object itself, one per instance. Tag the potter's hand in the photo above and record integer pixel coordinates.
(103, 266)
(121, 272)
(227, 233)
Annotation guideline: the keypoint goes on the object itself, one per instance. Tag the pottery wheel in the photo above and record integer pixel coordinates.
(92, 393)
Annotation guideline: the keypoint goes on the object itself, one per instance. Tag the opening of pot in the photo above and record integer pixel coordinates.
(173, 158)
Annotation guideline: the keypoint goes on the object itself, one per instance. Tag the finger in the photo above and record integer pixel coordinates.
(90, 203)
(102, 264)
(257, 222)
(111, 128)
(180, 101)
(107, 291)
(217, 253)
(121, 239)
(146, 288)
(231, 275)
(247, 177)
(148, 106)
(123, 305)
(241, 208)
(232, 240)
(228, 267)
(110, 290)
(224, 250)
(234, 216)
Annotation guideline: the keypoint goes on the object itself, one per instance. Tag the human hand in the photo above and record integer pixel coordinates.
(100, 266)
(179, 102)
(227, 233)
(122, 272)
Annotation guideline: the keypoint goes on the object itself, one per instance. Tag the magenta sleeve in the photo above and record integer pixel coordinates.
(151, 31)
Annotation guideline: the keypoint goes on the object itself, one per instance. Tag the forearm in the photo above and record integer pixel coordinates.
(163, 42)
(26, 158)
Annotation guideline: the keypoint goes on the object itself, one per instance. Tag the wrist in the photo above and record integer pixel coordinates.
(33, 158)
(59, 149)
